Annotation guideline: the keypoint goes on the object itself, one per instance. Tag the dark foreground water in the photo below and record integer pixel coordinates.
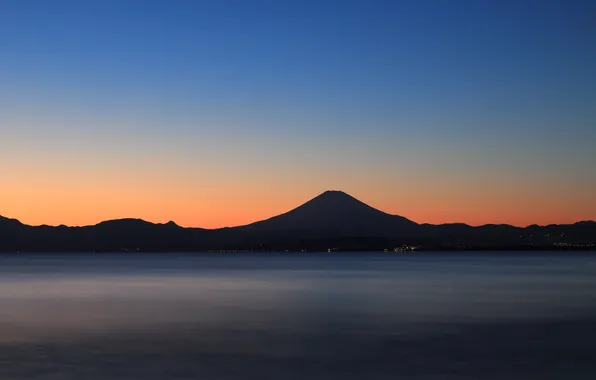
(329, 316)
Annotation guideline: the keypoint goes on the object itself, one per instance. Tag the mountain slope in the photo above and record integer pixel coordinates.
(332, 219)
(337, 213)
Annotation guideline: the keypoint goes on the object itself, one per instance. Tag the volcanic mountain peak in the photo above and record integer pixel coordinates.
(339, 203)
(338, 212)
(335, 195)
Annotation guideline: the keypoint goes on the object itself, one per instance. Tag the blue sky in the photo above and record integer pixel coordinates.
(339, 92)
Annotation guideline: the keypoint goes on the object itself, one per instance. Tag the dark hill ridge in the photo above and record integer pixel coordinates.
(7, 221)
(333, 219)
(131, 223)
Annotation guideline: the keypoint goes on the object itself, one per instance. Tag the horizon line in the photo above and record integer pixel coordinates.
(256, 221)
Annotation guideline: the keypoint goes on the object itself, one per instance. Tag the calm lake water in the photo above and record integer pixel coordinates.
(289, 316)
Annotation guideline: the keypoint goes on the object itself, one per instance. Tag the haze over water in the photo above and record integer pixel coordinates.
(292, 316)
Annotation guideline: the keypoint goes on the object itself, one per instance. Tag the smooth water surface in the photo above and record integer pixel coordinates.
(298, 316)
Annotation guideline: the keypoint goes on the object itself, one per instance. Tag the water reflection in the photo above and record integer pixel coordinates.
(276, 314)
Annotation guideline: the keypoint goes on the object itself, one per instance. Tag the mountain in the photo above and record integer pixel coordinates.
(108, 236)
(339, 214)
(5, 222)
(333, 219)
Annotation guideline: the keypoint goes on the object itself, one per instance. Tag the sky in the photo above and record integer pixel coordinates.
(221, 113)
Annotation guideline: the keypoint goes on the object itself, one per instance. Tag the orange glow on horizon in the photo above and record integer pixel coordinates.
(35, 207)
(85, 195)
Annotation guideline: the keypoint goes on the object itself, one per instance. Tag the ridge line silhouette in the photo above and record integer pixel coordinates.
(331, 220)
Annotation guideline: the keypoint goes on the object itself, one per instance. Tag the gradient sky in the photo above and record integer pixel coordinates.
(218, 113)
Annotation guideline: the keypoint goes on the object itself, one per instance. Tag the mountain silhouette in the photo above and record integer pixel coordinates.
(333, 219)
(9, 222)
(335, 212)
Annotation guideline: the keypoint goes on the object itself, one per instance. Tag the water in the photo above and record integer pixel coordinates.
(289, 316)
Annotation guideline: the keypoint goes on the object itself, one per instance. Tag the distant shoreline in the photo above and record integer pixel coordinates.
(473, 250)
(332, 221)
